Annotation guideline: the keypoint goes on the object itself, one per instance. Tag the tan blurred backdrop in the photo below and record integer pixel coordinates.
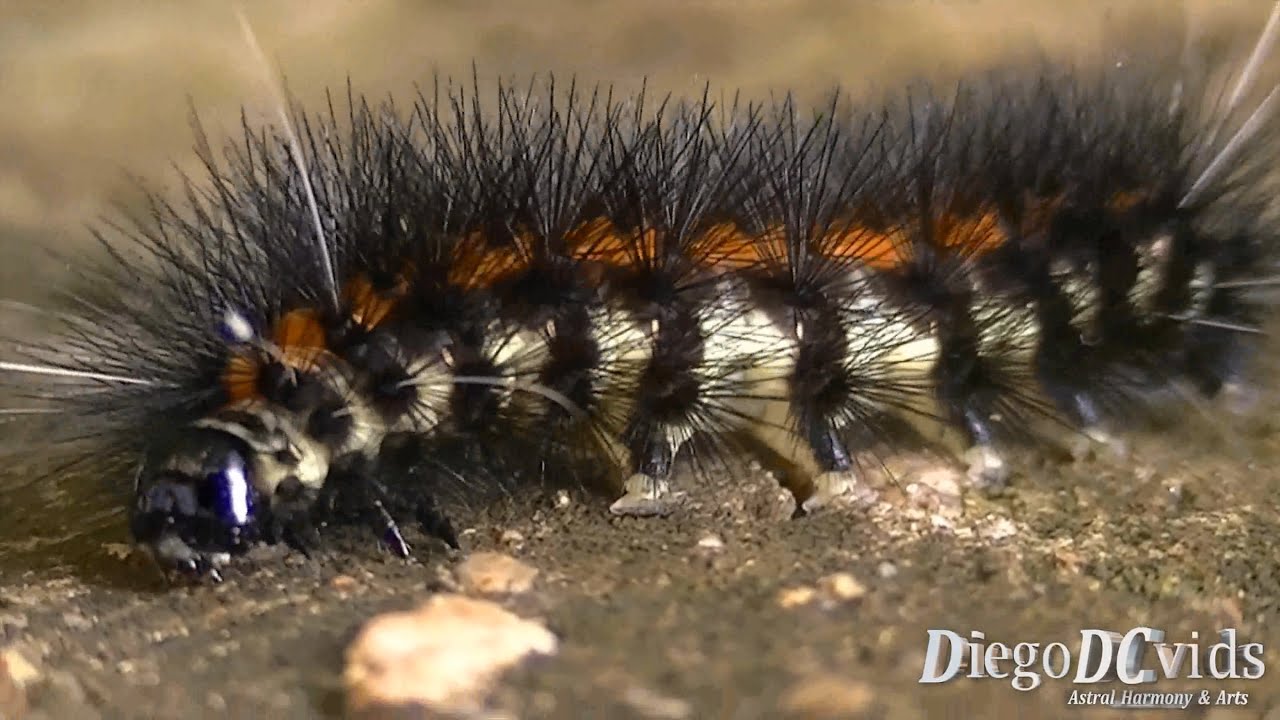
(90, 89)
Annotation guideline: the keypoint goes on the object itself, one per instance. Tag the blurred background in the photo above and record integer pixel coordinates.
(94, 92)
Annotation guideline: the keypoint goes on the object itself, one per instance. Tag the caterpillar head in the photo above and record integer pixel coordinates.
(222, 484)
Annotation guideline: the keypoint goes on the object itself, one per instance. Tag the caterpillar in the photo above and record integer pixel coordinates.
(364, 313)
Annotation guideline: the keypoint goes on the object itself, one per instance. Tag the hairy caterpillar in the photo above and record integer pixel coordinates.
(349, 319)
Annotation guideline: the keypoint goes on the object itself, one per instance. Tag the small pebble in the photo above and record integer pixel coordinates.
(999, 529)
(76, 621)
(938, 489)
(489, 573)
(887, 570)
(797, 596)
(118, 551)
(343, 583)
(13, 696)
(828, 696)
(831, 590)
(215, 702)
(1068, 559)
(842, 586)
(442, 656)
(656, 706)
(711, 542)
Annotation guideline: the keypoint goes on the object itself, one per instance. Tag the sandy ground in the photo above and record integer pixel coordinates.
(655, 619)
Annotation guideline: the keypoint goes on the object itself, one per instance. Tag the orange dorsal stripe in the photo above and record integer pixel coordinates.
(300, 338)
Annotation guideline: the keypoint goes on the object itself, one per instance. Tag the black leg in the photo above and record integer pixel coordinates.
(176, 556)
(651, 460)
(358, 491)
(828, 449)
(292, 511)
(436, 524)
(390, 531)
(654, 459)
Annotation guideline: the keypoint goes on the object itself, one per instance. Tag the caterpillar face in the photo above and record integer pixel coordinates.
(198, 505)
(223, 483)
